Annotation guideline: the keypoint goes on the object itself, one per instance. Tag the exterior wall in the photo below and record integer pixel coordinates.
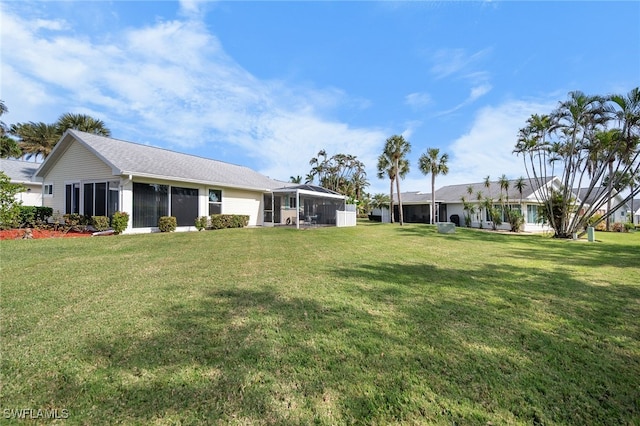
(32, 196)
(238, 201)
(76, 165)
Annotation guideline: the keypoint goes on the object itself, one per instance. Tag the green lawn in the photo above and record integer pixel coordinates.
(375, 324)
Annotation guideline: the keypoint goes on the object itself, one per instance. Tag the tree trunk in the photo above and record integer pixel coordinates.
(398, 190)
(433, 198)
(609, 191)
(391, 202)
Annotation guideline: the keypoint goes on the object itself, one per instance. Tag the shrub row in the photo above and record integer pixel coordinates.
(32, 216)
(222, 221)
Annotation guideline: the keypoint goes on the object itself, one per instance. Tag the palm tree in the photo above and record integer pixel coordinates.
(83, 123)
(504, 187)
(8, 146)
(431, 162)
(295, 179)
(393, 160)
(627, 112)
(36, 139)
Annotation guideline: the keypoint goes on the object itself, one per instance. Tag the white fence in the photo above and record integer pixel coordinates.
(345, 218)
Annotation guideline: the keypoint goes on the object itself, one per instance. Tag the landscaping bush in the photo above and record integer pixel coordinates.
(601, 226)
(101, 223)
(516, 220)
(618, 227)
(201, 223)
(75, 221)
(167, 223)
(119, 222)
(223, 221)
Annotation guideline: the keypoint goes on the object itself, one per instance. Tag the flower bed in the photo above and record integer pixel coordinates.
(16, 234)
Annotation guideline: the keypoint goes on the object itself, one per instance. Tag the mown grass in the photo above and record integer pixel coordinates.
(377, 324)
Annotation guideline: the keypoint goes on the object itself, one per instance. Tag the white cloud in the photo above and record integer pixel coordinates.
(486, 149)
(417, 99)
(454, 61)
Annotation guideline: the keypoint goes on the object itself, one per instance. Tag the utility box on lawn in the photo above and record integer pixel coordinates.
(446, 228)
(591, 234)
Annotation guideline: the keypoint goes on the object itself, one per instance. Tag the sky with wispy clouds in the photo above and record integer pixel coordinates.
(269, 84)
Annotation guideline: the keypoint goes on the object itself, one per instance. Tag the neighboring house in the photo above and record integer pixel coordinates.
(450, 208)
(96, 176)
(527, 203)
(597, 197)
(22, 172)
(636, 210)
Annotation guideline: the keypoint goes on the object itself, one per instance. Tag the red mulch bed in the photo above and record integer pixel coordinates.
(16, 234)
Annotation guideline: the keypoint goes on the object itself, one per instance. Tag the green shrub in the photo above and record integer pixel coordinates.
(167, 223)
(101, 223)
(618, 227)
(628, 226)
(201, 223)
(34, 215)
(516, 220)
(223, 221)
(75, 221)
(119, 222)
(9, 206)
(601, 226)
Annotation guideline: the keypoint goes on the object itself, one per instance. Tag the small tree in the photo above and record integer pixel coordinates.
(9, 206)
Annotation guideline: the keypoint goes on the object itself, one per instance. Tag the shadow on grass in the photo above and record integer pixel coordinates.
(402, 343)
(572, 252)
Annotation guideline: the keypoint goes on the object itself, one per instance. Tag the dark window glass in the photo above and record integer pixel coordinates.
(88, 199)
(67, 199)
(184, 205)
(113, 196)
(101, 199)
(150, 202)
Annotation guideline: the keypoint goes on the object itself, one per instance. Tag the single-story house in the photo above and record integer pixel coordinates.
(596, 201)
(96, 176)
(20, 171)
(526, 202)
(450, 207)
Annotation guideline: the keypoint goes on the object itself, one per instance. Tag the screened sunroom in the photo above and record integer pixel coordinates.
(303, 205)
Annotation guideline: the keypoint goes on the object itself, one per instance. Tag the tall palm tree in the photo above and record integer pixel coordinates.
(520, 184)
(8, 146)
(627, 113)
(82, 122)
(386, 170)
(36, 139)
(394, 155)
(435, 164)
(295, 179)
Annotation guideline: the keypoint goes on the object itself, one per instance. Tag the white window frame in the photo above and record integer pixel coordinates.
(47, 190)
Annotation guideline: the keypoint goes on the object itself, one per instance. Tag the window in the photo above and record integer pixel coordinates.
(72, 198)
(100, 198)
(292, 202)
(150, 202)
(215, 201)
(184, 205)
(532, 214)
(47, 189)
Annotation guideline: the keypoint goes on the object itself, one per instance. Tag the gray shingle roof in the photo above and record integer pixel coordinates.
(453, 193)
(413, 197)
(128, 158)
(19, 171)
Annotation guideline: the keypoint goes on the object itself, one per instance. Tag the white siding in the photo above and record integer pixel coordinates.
(31, 197)
(77, 164)
(237, 201)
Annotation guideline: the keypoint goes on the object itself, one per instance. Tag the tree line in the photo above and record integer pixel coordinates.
(37, 139)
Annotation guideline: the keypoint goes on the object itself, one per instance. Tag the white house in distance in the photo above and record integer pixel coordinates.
(96, 176)
(20, 171)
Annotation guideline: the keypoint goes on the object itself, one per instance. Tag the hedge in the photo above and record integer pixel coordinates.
(223, 221)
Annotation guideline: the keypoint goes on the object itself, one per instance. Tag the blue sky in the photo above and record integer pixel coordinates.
(269, 84)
